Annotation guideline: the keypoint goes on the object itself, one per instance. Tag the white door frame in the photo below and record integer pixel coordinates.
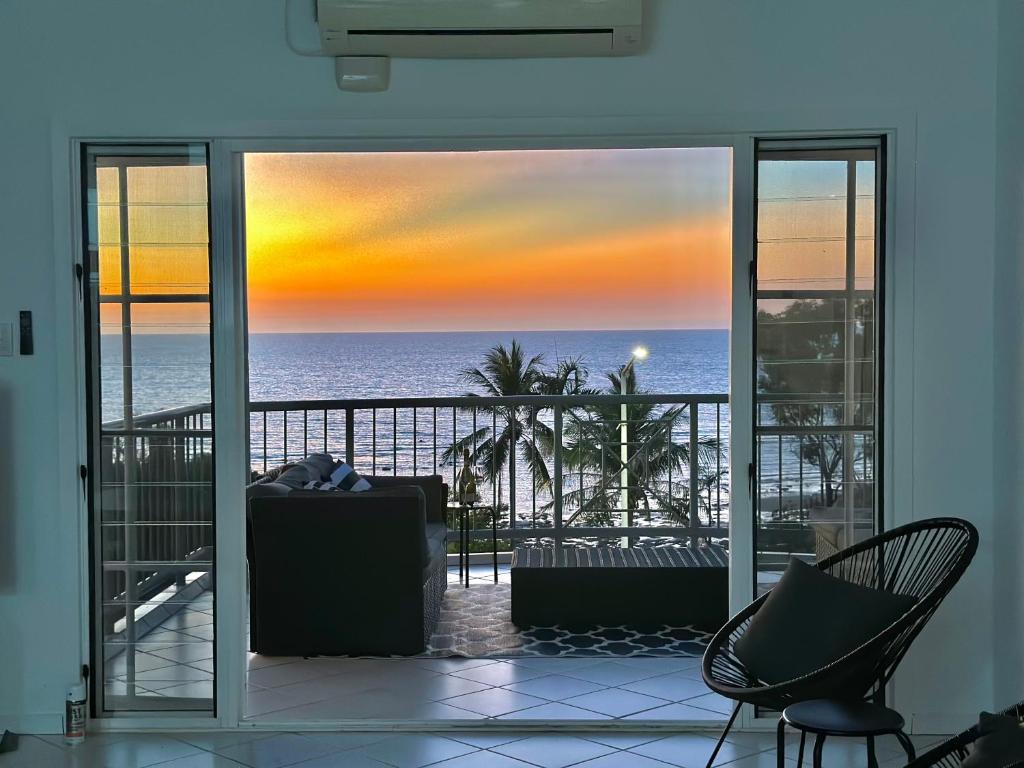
(230, 385)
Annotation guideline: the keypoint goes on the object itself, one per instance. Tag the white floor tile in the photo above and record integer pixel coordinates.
(553, 751)
(615, 702)
(138, 751)
(621, 740)
(416, 750)
(673, 687)
(494, 702)
(483, 760)
(690, 750)
(622, 760)
(213, 740)
(453, 664)
(555, 687)
(714, 702)
(285, 674)
(501, 673)
(276, 751)
(611, 673)
(488, 740)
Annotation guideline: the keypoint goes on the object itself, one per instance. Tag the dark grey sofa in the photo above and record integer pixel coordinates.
(337, 573)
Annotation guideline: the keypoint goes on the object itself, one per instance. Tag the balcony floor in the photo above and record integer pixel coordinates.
(509, 690)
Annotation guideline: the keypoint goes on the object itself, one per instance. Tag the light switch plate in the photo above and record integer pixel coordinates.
(6, 339)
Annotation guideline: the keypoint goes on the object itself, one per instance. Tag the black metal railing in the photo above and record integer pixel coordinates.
(638, 465)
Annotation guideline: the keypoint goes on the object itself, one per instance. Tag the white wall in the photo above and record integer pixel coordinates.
(193, 67)
(1009, 363)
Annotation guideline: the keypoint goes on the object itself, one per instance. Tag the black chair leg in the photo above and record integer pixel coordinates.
(819, 743)
(800, 756)
(872, 760)
(721, 739)
(907, 745)
(780, 744)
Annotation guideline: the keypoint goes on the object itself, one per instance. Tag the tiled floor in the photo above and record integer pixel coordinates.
(468, 749)
(284, 690)
(176, 660)
(528, 688)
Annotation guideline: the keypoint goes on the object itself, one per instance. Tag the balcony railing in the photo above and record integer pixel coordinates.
(606, 466)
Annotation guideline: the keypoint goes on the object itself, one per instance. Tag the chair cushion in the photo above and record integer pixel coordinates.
(1001, 742)
(811, 619)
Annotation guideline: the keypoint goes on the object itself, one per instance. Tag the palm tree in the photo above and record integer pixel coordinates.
(592, 453)
(507, 372)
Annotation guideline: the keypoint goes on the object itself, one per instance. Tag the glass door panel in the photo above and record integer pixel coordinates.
(816, 364)
(151, 427)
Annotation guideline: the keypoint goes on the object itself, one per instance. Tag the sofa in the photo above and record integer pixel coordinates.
(341, 573)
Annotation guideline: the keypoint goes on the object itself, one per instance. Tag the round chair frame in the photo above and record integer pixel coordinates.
(924, 559)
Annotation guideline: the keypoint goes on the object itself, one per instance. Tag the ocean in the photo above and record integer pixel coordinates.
(172, 370)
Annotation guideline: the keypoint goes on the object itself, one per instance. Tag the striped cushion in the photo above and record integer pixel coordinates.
(347, 479)
(320, 485)
(707, 556)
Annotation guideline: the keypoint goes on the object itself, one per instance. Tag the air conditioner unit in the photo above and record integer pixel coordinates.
(480, 28)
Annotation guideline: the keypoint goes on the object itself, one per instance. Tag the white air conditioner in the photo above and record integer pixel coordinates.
(480, 28)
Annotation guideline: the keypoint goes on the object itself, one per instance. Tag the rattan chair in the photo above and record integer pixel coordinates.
(951, 753)
(923, 559)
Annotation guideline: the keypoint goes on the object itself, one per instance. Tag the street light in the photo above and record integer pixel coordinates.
(639, 353)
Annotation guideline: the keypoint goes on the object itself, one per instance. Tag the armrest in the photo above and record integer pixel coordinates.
(434, 490)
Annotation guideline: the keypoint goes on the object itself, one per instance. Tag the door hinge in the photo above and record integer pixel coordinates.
(83, 473)
(80, 274)
(751, 276)
(750, 479)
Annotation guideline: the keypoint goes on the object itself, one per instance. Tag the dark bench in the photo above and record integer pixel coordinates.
(610, 586)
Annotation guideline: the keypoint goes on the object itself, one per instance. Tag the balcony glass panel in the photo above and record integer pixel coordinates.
(152, 478)
(815, 355)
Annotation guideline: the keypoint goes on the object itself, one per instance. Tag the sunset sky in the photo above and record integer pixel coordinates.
(575, 239)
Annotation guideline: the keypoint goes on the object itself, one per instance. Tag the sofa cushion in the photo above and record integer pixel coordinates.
(1001, 742)
(811, 619)
(431, 485)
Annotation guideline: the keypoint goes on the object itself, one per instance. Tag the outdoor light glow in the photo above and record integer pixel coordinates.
(640, 353)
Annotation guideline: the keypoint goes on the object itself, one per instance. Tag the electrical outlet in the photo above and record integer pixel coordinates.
(6, 339)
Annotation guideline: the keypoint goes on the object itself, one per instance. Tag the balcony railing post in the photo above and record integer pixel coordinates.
(350, 436)
(694, 472)
(556, 478)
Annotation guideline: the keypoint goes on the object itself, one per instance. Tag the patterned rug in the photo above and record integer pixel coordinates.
(477, 622)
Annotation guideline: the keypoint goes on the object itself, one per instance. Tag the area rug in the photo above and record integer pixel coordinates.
(476, 622)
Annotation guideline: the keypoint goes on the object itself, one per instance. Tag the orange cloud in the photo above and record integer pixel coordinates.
(453, 241)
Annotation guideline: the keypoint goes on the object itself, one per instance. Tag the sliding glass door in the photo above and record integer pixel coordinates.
(148, 322)
(816, 348)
